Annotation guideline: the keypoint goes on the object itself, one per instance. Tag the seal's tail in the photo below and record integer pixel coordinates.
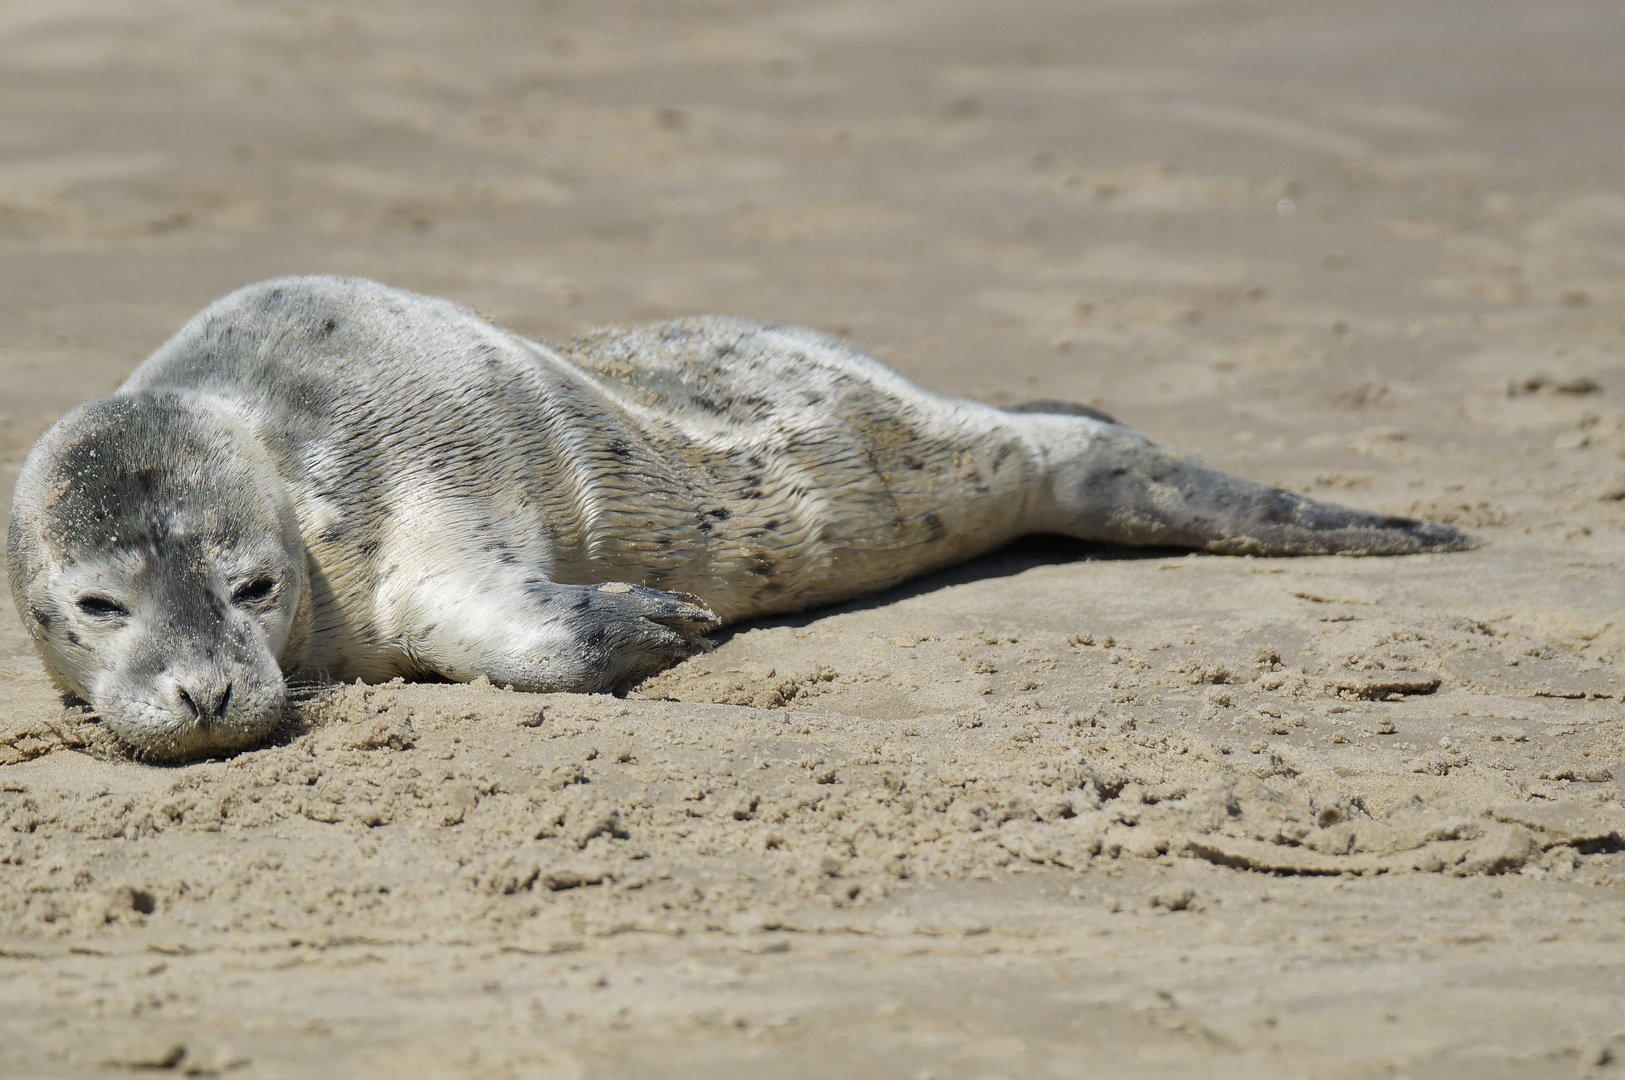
(1110, 483)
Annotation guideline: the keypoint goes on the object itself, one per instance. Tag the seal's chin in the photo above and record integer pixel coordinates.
(162, 726)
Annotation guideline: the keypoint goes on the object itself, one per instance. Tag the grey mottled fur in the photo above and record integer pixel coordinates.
(325, 476)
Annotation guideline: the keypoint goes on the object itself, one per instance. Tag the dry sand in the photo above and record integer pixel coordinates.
(1063, 811)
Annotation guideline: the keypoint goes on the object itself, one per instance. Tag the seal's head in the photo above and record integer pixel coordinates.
(156, 559)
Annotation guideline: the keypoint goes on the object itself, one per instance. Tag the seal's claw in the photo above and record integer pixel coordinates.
(683, 612)
(620, 633)
(652, 623)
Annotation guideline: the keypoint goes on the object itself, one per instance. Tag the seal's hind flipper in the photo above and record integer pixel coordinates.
(1060, 408)
(1113, 484)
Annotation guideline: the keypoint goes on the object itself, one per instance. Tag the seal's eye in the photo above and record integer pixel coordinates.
(101, 607)
(253, 591)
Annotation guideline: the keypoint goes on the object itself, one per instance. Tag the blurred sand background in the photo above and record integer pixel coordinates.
(1067, 810)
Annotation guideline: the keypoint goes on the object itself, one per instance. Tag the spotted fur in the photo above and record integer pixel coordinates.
(433, 494)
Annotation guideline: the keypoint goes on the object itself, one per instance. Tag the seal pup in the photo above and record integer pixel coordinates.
(325, 477)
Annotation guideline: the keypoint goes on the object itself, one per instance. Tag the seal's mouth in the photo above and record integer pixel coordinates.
(190, 719)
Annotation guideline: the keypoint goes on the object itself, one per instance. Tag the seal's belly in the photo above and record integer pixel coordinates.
(775, 468)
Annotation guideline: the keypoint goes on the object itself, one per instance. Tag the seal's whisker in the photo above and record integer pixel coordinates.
(304, 691)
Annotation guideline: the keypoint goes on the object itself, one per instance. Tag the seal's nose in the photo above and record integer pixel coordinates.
(204, 700)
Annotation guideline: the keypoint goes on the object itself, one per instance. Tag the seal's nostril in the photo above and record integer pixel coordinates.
(204, 704)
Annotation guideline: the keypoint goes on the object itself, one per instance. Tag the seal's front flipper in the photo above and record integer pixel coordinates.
(548, 638)
(1109, 483)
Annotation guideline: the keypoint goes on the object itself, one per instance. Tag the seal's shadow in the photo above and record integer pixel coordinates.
(1008, 561)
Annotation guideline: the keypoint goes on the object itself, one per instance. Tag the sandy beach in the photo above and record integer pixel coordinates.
(1065, 810)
